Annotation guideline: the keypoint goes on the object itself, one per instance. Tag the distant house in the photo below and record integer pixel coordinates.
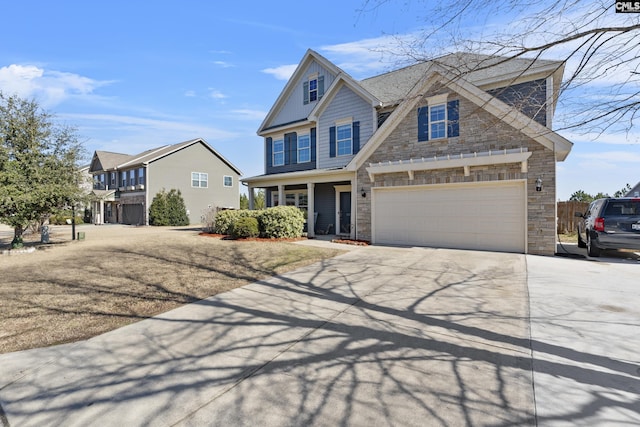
(456, 152)
(635, 191)
(124, 185)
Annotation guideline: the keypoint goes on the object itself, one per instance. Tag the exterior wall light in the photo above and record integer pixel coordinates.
(364, 193)
(539, 184)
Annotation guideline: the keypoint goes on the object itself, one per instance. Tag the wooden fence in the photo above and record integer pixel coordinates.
(566, 215)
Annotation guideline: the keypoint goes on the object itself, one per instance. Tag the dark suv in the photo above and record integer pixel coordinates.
(610, 224)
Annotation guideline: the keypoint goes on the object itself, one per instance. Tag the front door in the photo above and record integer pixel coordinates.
(344, 213)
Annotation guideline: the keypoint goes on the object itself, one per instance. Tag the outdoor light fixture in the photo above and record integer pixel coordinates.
(364, 193)
(539, 184)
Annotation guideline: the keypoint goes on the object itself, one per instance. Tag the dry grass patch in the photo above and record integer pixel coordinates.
(75, 290)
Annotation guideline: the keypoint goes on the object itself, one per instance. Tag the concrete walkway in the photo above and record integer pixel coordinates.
(378, 336)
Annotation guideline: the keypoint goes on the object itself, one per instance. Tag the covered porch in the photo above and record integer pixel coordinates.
(328, 198)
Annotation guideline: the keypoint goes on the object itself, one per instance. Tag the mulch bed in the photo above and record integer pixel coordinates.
(296, 239)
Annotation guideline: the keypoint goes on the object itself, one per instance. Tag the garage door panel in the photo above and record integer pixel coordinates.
(475, 216)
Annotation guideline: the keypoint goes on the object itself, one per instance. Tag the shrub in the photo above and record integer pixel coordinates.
(226, 219)
(245, 227)
(168, 209)
(281, 222)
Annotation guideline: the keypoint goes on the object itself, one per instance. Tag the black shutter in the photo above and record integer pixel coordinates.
(305, 92)
(332, 141)
(453, 116)
(269, 151)
(320, 86)
(313, 144)
(423, 123)
(291, 141)
(356, 137)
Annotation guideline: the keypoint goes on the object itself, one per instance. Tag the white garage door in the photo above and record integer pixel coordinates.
(484, 216)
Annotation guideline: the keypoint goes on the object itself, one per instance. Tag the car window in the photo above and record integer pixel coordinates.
(623, 207)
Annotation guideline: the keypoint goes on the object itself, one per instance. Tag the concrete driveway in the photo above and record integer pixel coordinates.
(378, 336)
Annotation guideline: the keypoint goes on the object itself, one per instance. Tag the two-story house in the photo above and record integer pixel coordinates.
(456, 152)
(124, 185)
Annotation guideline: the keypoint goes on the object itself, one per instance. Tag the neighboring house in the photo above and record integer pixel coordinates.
(445, 153)
(634, 192)
(124, 186)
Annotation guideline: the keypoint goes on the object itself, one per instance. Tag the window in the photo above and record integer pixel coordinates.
(227, 181)
(304, 149)
(113, 179)
(141, 176)
(438, 121)
(343, 139)
(123, 179)
(278, 152)
(132, 177)
(313, 88)
(292, 198)
(199, 179)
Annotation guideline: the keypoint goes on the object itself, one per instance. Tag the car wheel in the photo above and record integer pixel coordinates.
(581, 243)
(592, 250)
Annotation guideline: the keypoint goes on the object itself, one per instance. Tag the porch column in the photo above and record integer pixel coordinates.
(251, 196)
(311, 223)
(281, 201)
(354, 206)
(101, 217)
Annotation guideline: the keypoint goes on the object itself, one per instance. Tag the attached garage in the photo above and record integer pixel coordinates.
(482, 215)
(133, 214)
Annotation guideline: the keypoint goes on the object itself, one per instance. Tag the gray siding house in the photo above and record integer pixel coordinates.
(456, 152)
(124, 185)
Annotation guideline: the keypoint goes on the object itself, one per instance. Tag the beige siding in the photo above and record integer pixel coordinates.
(174, 171)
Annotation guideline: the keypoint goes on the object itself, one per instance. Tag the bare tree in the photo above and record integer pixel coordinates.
(598, 45)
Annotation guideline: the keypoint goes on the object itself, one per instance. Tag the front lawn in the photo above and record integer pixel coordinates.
(68, 291)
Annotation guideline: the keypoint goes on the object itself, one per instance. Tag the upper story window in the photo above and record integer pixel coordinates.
(438, 119)
(132, 177)
(98, 182)
(227, 181)
(343, 139)
(304, 149)
(141, 176)
(313, 88)
(112, 179)
(199, 179)
(123, 179)
(278, 152)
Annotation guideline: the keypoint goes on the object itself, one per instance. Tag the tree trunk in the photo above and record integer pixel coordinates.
(17, 232)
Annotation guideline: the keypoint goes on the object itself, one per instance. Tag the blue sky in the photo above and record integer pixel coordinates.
(136, 75)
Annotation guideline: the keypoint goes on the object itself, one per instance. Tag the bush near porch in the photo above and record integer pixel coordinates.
(273, 223)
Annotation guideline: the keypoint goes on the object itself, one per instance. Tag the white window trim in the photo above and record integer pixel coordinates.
(435, 101)
(274, 196)
(308, 135)
(200, 180)
(273, 151)
(224, 181)
(340, 123)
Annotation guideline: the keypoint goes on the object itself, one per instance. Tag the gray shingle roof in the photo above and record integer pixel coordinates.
(393, 86)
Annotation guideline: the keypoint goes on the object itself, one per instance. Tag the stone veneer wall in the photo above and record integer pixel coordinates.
(479, 132)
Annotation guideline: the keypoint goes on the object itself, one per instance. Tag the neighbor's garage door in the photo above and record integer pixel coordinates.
(485, 216)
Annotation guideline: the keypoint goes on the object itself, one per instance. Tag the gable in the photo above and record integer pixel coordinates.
(294, 107)
(294, 102)
(500, 111)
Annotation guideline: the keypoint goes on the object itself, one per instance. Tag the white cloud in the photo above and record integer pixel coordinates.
(216, 94)
(249, 114)
(223, 64)
(373, 55)
(190, 93)
(282, 72)
(49, 87)
(620, 138)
